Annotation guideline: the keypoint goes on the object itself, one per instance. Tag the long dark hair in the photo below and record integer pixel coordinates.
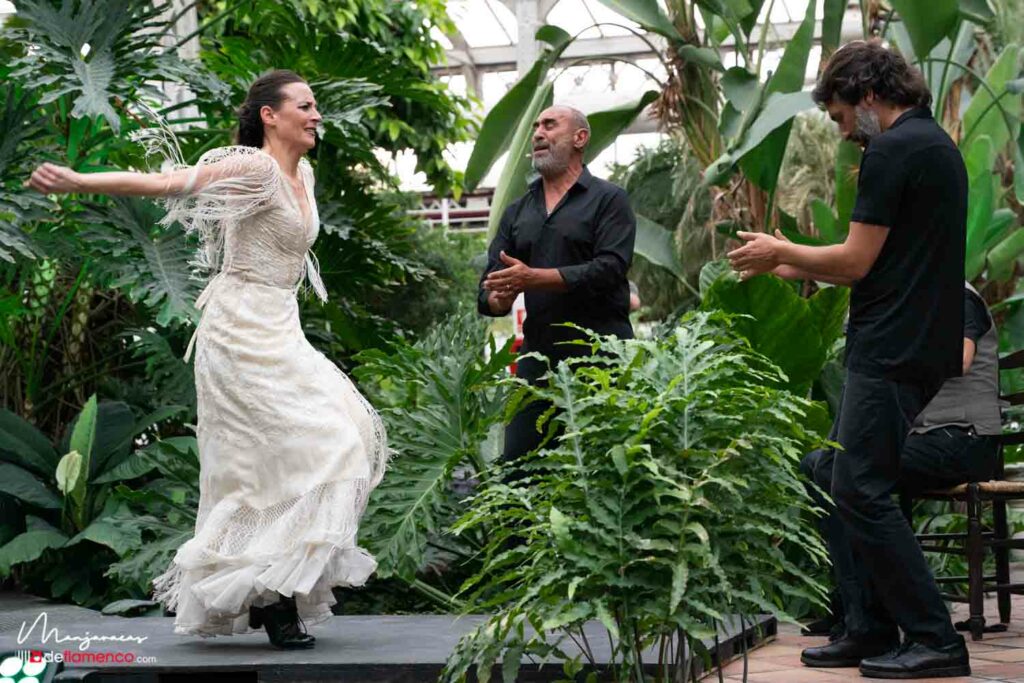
(264, 92)
(866, 66)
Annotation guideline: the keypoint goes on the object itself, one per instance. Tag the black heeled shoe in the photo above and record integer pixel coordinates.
(281, 621)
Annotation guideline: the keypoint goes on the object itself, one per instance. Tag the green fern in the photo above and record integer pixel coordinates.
(667, 498)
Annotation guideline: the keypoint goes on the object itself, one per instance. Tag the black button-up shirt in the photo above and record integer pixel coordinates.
(589, 238)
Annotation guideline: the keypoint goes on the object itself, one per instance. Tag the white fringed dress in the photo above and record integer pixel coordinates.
(289, 450)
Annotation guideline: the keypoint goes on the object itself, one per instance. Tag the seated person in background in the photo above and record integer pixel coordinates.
(952, 441)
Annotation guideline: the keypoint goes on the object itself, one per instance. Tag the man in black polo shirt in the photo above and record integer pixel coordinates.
(904, 258)
(567, 243)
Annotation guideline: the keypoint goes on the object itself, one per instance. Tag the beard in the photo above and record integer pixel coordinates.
(866, 126)
(556, 161)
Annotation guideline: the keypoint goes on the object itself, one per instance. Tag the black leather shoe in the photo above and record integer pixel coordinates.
(914, 660)
(844, 652)
(282, 623)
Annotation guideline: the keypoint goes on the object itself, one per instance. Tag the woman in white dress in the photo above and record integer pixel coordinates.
(289, 450)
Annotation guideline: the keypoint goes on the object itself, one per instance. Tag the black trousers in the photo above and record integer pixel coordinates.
(881, 573)
(521, 434)
(938, 459)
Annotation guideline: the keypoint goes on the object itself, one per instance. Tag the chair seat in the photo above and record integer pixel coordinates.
(1001, 487)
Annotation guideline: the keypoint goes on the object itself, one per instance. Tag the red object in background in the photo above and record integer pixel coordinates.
(515, 349)
(518, 317)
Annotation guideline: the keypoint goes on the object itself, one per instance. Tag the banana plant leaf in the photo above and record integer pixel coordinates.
(701, 55)
(977, 11)
(647, 13)
(606, 125)
(657, 244)
(825, 221)
(831, 26)
(986, 118)
(512, 182)
(500, 124)
(778, 111)
(979, 159)
(927, 21)
(762, 163)
(847, 167)
(1002, 257)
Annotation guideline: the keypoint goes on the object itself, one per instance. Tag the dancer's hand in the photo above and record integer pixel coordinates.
(54, 179)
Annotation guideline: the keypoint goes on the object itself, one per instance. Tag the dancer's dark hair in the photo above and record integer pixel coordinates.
(266, 91)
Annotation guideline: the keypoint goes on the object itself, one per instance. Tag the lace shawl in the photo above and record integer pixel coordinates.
(226, 185)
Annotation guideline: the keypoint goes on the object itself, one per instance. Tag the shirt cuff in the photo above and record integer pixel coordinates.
(482, 307)
(573, 275)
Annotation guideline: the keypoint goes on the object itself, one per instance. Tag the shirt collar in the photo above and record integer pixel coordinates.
(912, 113)
(584, 180)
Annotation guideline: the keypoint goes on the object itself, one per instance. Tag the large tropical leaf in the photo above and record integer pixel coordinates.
(20, 126)
(82, 443)
(121, 538)
(606, 125)
(99, 52)
(647, 13)
(927, 22)
(149, 262)
(794, 332)
(16, 482)
(831, 26)
(847, 167)
(512, 182)
(1000, 124)
(1003, 256)
(28, 547)
(438, 419)
(979, 160)
(25, 446)
(778, 111)
(500, 124)
(762, 163)
(113, 427)
(657, 244)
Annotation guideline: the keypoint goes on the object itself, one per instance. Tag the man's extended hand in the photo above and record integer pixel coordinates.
(509, 281)
(500, 304)
(758, 255)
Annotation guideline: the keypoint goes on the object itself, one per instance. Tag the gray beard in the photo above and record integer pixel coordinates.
(554, 163)
(866, 126)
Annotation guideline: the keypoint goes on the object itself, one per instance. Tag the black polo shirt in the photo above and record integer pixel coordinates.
(903, 324)
(589, 238)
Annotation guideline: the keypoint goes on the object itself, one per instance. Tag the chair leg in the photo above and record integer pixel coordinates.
(975, 564)
(1002, 553)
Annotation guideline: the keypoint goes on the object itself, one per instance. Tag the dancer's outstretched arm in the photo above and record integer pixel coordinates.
(251, 170)
(54, 179)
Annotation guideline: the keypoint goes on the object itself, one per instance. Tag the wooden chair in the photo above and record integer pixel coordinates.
(977, 540)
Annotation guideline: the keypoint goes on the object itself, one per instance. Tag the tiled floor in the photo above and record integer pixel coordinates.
(999, 657)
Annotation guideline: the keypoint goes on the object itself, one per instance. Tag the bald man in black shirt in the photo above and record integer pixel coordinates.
(567, 244)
